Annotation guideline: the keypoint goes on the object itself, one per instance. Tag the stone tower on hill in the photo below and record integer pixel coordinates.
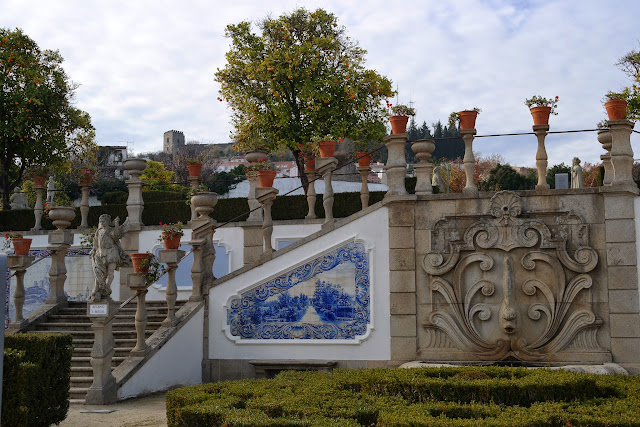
(173, 141)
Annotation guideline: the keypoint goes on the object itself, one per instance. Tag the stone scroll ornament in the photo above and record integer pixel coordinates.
(107, 255)
(504, 286)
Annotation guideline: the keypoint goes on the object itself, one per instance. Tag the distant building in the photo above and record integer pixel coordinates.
(173, 141)
(111, 160)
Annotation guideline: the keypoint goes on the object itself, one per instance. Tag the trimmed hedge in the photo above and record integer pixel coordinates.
(466, 396)
(37, 376)
(114, 198)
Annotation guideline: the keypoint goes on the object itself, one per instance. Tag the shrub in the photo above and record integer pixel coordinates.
(115, 198)
(44, 372)
(463, 396)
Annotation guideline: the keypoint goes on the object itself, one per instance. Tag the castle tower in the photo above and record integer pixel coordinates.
(173, 141)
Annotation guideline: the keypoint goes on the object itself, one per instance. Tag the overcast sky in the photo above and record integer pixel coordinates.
(146, 67)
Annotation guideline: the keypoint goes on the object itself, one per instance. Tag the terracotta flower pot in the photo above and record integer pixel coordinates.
(310, 163)
(171, 241)
(39, 179)
(616, 109)
(364, 158)
(266, 178)
(136, 259)
(540, 115)
(327, 148)
(21, 245)
(194, 168)
(467, 119)
(399, 124)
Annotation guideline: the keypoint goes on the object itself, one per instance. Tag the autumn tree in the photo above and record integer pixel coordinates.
(299, 77)
(39, 126)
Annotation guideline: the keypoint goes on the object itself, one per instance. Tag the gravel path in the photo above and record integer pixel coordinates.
(141, 412)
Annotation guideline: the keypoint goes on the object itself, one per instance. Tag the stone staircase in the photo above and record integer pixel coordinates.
(74, 320)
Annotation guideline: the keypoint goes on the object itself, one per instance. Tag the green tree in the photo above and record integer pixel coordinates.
(300, 76)
(553, 170)
(630, 65)
(157, 177)
(38, 123)
(504, 177)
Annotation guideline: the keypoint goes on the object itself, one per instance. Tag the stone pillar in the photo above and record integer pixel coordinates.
(325, 167)
(604, 137)
(423, 149)
(622, 155)
(266, 196)
(171, 257)
(59, 242)
(311, 193)
(135, 204)
(541, 156)
(252, 244)
(137, 284)
(203, 257)
(396, 167)
(364, 172)
(103, 390)
(469, 162)
(38, 209)
(194, 182)
(19, 264)
(84, 205)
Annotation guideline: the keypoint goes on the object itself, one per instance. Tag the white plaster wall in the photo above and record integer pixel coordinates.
(375, 346)
(292, 232)
(177, 363)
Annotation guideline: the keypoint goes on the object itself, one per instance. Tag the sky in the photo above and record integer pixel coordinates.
(145, 67)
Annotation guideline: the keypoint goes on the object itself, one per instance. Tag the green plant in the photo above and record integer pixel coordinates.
(401, 110)
(538, 101)
(602, 124)
(154, 269)
(263, 165)
(170, 230)
(193, 191)
(615, 96)
(37, 170)
(85, 173)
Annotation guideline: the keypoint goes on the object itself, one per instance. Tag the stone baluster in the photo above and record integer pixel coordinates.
(138, 284)
(103, 390)
(38, 209)
(266, 196)
(604, 137)
(325, 167)
(171, 257)
(84, 205)
(396, 167)
(202, 242)
(135, 204)
(622, 155)
(364, 172)
(311, 193)
(424, 169)
(194, 182)
(19, 264)
(59, 242)
(541, 156)
(253, 157)
(469, 161)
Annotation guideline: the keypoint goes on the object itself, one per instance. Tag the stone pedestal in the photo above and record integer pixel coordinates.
(103, 390)
(396, 167)
(135, 204)
(203, 257)
(325, 167)
(364, 172)
(254, 206)
(541, 156)
(622, 155)
(423, 149)
(137, 284)
(266, 196)
(311, 194)
(469, 162)
(171, 257)
(59, 242)
(84, 206)
(38, 208)
(604, 137)
(194, 182)
(19, 264)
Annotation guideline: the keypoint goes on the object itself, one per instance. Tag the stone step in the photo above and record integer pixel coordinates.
(78, 318)
(118, 351)
(78, 393)
(88, 342)
(77, 401)
(86, 361)
(77, 382)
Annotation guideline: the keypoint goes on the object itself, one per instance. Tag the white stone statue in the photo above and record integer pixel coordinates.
(51, 190)
(436, 180)
(577, 180)
(18, 200)
(107, 255)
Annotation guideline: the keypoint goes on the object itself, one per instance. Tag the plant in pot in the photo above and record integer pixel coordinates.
(466, 118)
(366, 137)
(399, 117)
(194, 165)
(266, 172)
(326, 144)
(147, 265)
(616, 105)
(309, 152)
(85, 174)
(171, 234)
(541, 108)
(39, 174)
(20, 244)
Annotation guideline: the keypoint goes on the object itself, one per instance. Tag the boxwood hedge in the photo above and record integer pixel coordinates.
(466, 396)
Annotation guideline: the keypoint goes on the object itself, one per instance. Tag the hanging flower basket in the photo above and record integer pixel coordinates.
(194, 168)
(327, 148)
(364, 158)
(616, 109)
(266, 177)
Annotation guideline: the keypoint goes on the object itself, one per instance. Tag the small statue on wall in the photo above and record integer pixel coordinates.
(18, 200)
(107, 255)
(51, 190)
(577, 180)
(436, 180)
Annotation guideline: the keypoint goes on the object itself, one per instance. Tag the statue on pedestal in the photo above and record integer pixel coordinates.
(436, 180)
(18, 200)
(577, 180)
(51, 190)
(107, 255)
